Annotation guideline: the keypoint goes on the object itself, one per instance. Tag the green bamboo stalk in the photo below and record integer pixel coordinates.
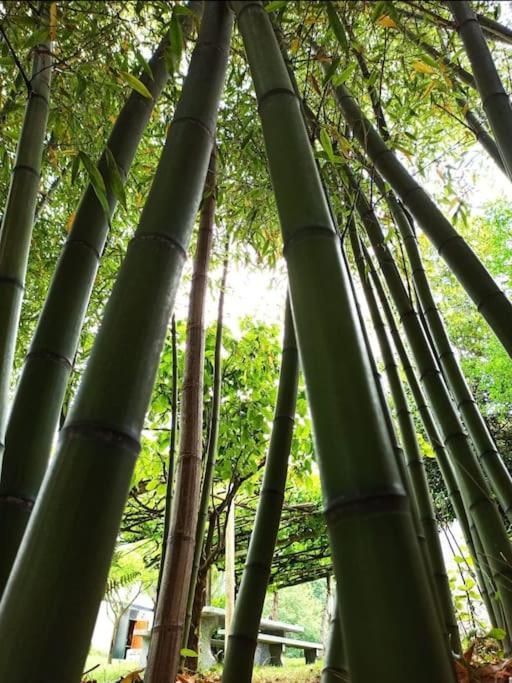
(77, 514)
(482, 135)
(495, 29)
(211, 453)
(433, 436)
(335, 668)
(243, 637)
(412, 453)
(495, 99)
(492, 28)
(365, 501)
(410, 480)
(474, 490)
(164, 651)
(50, 358)
(490, 459)
(18, 216)
(471, 273)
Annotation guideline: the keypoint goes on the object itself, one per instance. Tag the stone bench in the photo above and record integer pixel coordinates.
(270, 648)
(212, 621)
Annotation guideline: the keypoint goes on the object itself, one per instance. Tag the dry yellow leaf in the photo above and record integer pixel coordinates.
(53, 21)
(294, 45)
(428, 89)
(52, 154)
(69, 222)
(386, 22)
(423, 68)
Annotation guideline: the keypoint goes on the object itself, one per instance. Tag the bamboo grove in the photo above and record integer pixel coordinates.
(297, 135)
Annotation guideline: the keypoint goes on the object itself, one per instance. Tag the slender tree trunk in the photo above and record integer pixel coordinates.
(229, 571)
(113, 641)
(211, 451)
(198, 603)
(172, 452)
(167, 631)
(100, 441)
(495, 99)
(465, 265)
(239, 658)
(52, 351)
(365, 502)
(18, 216)
(274, 612)
(335, 660)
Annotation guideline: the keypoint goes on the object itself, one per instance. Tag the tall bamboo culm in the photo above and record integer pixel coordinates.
(410, 482)
(18, 213)
(495, 100)
(211, 452)
(364, 498)
(465, 265)
(167, 631)
(476, 495)
(432, 432)
(491, 461)
(50, 358)
(238, 663)
(414, 460)
(77, 514)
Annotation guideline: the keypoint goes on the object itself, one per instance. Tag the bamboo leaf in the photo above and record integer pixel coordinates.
(331, 70)
(144, 64)
(69, 222)
(75, 168)
(378, 10)
(326, 143)
(386, 22)
(275, 5)
(175, 47)
(115, 179)
(187, 652)
(423, 68)
(338, 79)
(337, 26)
(183, 9)
(134, 83)
(96, 181)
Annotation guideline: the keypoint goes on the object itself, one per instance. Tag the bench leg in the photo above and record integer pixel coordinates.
(207, 628)
(310, 655)
(262, 655)
(276, 652)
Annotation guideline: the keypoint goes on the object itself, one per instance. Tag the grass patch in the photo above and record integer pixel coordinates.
(107, 673)
(293, 671)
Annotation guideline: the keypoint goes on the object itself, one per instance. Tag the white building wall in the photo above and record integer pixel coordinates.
(104, 627)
